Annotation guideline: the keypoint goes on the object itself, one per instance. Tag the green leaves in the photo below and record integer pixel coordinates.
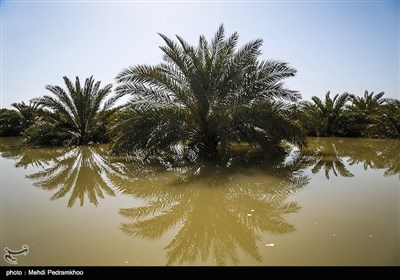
(75, 116)
(192, 99)
(349, 115)
(325, 117)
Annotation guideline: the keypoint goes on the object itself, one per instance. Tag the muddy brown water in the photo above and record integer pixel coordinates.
(335, 204)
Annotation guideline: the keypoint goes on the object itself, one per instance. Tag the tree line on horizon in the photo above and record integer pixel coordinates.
(197, 103)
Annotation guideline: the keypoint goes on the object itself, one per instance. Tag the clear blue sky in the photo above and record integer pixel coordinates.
(337, 46)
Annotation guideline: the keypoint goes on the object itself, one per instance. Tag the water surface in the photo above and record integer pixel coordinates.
(335, 204)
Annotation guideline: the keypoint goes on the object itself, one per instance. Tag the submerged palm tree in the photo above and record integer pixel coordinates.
(206, 98)
(367, 104)
(388, 123)
(325, 118)
(15, 122)
(29, 113)
(10, 123)
(77, 115)
(364, 113)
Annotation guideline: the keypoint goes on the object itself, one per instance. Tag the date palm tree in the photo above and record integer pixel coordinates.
(15, 122)
(29, 113)
(10, 123)
(364, 113)
(325, 117)
(206, 98)
(388, 124)
(77, 114)
(368, 103)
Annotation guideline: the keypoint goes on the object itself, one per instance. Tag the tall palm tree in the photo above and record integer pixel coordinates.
(205, 98)
(326, 117)
(78, 113)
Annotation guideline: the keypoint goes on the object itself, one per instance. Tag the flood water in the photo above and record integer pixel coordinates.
(335, 204)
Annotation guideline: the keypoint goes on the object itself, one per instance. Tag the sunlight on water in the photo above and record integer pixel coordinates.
(337, 203)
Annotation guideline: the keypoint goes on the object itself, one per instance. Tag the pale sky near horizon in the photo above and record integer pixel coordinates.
(335, 45)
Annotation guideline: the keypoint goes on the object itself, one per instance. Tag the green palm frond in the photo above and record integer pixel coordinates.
(192, 99)
(77, 115)
(325, 117)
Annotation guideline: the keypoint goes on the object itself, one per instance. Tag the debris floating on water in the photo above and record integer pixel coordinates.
(270, 245)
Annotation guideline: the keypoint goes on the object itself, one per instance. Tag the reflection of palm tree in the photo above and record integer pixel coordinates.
(217, 214)
(330, 155)
(324, 155)
(373, 154)
(80, 171)
(13, 148)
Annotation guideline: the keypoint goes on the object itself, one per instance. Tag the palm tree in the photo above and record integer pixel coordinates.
(363, 113)
(10, 123)
(369, 103)
(15, 122)
(76, 115)
(388, 122)
(29, 113)
(205, 98)
(325, 118)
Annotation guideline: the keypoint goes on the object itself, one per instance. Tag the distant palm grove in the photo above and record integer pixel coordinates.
(200, 102)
